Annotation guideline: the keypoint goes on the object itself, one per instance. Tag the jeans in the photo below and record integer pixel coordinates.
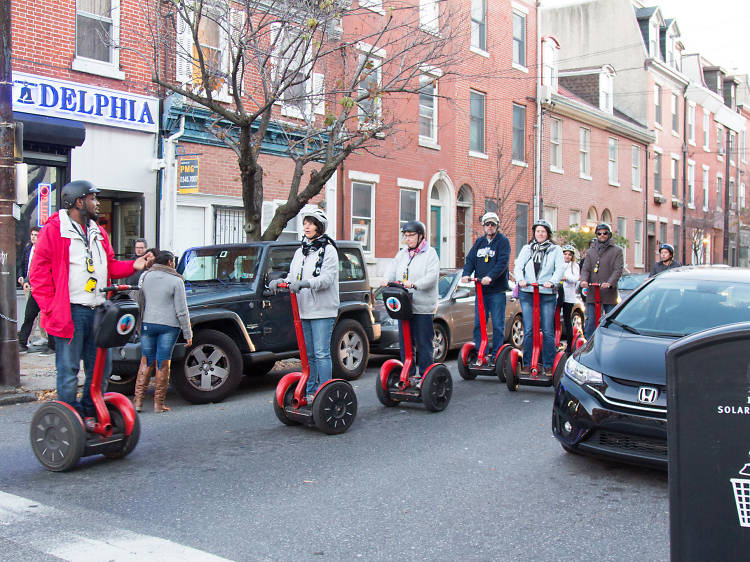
(494, 305)
(547, 305)
(421, 336)
(68, 355)
(589, 327)
(318, 342)
(157, 342)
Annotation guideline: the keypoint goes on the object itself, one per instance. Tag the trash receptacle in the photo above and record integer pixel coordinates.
(708, 429)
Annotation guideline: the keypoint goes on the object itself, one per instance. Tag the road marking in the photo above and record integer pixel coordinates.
(74, 544)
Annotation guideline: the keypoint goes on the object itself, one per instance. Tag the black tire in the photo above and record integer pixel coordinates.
(335, 407)
(383, 395)
(58, 438)
(437, 388)
(350, 349)
(288, 397)
(511, 381)
(261, 369)
(440, 342)
(118, 423)
(500, 363)
(463, 369)
(558, 374)
(213, 360)
(516, 332)
(122, 379)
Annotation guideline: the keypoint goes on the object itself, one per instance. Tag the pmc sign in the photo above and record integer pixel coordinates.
(43, 203)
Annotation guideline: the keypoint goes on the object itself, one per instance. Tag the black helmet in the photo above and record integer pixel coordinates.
(414, 226)
(668, 247)
(75, 190)
(603, 226)
(545, 224)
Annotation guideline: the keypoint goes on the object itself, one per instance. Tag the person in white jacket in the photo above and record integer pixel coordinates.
(570, 277)
(417, 266)
(314, 277)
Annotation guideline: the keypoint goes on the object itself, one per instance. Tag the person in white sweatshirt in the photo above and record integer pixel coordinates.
(569, 280)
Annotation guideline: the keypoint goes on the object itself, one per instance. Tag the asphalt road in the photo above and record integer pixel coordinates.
(483, 480)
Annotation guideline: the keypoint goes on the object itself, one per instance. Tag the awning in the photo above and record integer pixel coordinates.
(51, 130)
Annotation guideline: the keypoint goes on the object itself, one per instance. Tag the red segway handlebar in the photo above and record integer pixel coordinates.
(119, 288)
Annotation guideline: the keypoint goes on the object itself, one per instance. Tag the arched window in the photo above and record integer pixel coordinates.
(607, 217)
(591, 217)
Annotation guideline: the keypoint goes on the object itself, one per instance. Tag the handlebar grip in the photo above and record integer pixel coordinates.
(283, 285)
(118, 288)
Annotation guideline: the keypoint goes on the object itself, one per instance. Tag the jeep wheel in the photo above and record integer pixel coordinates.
(350, 349)
(123, 377)
(211, 369)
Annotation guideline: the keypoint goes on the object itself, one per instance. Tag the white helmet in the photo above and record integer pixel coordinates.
(319, 218)
(492, 217)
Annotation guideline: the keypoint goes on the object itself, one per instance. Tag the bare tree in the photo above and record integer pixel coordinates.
(328, 75)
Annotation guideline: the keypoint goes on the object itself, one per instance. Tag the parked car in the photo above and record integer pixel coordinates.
(612, 399)
(454, 321)
(628, 283)
(240, 328)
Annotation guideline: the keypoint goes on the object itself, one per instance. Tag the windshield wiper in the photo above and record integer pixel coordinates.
(625, 327)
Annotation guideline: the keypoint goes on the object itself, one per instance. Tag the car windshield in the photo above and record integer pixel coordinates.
(630, 282)
(232, 264)
(678, 307)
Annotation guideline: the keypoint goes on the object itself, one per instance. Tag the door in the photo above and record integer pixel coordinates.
(650, 246)
(276, 330)
(435, 236)
(460, 236)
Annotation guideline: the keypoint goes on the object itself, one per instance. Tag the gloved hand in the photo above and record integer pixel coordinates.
(273, 286)
(297, 286)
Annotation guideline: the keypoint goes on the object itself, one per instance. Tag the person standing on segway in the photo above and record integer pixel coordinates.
(72, 260)
(570, 277)
(540, 261)
(314, 277)
(666, 253)
(488, 261)
(603, 265)
(417, 267)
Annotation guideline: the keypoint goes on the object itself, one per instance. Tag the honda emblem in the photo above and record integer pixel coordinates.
(647, 395)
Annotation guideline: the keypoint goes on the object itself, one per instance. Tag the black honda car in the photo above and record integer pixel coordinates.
(612, 399)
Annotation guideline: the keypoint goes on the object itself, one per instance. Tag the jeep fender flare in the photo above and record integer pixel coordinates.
(205, 316)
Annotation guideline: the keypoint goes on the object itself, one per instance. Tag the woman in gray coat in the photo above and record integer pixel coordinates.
(164, 313)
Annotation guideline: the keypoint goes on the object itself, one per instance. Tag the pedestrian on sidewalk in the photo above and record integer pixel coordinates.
(32, 307)
(73, 259)
(164, 313)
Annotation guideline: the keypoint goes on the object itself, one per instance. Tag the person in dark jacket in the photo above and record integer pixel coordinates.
(488, 261)
(666, 253)
(32, 308)
(603, 265)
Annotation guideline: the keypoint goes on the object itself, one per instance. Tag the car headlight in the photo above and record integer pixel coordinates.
(581, 374)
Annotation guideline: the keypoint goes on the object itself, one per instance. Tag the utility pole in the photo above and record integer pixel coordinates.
(9, 367)
(726, 199)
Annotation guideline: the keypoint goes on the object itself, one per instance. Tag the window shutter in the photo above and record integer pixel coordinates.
(318, 87)
(267, 212)
(184, 51)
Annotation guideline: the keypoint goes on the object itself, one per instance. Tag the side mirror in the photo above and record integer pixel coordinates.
(461, 293)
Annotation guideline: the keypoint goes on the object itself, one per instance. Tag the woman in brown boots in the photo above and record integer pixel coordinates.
(164, 313)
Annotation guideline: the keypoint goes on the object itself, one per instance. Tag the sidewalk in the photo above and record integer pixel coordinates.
(37, 379)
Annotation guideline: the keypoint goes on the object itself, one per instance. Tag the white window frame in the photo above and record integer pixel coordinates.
(430, 141)
(706, 131)
(584, 153)
(573, 214)
(472, 152)
(742, 196)
(429, 16)
(720, 148)
(637, 243)
(675, 105)
(691, 123)
(653, 35)
(719, 192)
(314, 85)
(658, 113)
(550, 215)
(690, 184)
(674, 176)
(658, 170)
(606, 92)
(613, 161)
(370, 53)
(111, 68)
(706, 186)
(364, 179)
(521, 12)
(479, 20)
(555, 145)
(523, 136)
(402, 189)
(635, 173)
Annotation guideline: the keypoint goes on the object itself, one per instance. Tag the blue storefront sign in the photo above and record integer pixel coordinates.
(81, 102)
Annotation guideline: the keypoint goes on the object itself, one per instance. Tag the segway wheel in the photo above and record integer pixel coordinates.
(57, 437)
(335, 407)
(118, 426)
(511, 374)
(280, 413)
(437, 388)
(559, 370)
(502, 357)
(383, 395)
(465, 359)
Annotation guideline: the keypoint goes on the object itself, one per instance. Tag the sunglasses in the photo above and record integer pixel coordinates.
(603, 233)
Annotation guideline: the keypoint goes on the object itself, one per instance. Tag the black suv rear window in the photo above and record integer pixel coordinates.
(351, 267)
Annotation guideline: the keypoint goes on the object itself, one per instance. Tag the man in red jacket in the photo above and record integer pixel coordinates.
(73, 259)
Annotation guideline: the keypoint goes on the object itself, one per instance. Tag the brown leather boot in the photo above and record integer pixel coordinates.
(161, 383)
(141, 383)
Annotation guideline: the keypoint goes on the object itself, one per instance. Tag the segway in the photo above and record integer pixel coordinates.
(473, 362)
(334, 406)
(59, 435)
(576, 335)
(513, 375)
(394, 385)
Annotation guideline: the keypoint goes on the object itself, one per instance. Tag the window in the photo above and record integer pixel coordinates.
(691, 123)
(519, 39)
(675, 113)
(731, 194)
(657, 172)
(612, 166)
(584, 164)
(369, 83)
(428, 107)
(731, 146)
(229, 223)
(476, 136)
(591, 217)
(657, 104)
(522, 226)
(676, 241)
(409, 208)
(742, 196)
(637, 237)
(95, 25)
(491, 205)
(428, 15)
(622, 226)
(719, 141)
(606, 86)
(362, 214)
(519, 133)
(574, 218)
(719, 189)
(351, 266)
(550, 215)
(706, 187)
(653, 39)
(555, 144)
(635, 178)
(674, 172)
(292, 70)
(607, 217)
(663, 233)
(705, 131)
(479, 24)
(691, 184)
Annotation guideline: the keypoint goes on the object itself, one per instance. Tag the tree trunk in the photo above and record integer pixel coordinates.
(251, 173)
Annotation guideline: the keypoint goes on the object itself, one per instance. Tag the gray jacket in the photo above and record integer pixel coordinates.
(321, 300)
(553, 267)
(163, 299)
(423, 271)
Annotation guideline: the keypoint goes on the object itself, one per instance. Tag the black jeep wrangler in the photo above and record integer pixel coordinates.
(240, 329)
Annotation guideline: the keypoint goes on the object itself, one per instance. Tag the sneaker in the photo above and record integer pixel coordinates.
(22, 348)
(90, 423)
(39, 342)
(46, 352)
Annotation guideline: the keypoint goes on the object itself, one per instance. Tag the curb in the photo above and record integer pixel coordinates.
(17, 398)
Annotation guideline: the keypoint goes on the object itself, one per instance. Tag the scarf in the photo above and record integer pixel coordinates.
(415, 251)
(538, 249)
(309, 246)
